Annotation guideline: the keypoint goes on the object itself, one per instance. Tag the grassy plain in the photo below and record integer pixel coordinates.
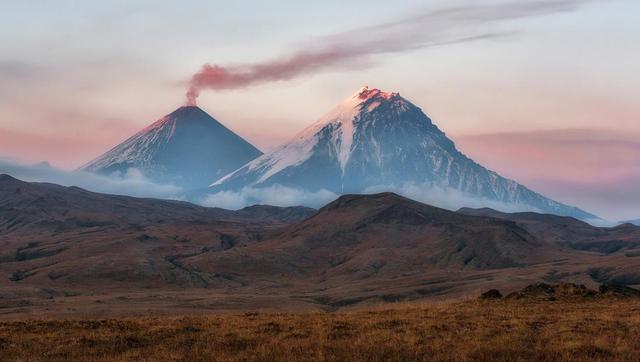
(501, 330)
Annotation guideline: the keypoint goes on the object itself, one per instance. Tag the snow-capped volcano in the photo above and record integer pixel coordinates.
(188, 148)
(375, 140)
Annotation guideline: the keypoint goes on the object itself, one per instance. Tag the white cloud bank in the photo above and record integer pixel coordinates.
(276, 195)
(133, 183)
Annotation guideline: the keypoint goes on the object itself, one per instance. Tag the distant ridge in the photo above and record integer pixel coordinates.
(567, 231)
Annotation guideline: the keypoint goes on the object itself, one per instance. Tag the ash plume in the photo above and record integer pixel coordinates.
(464, 23)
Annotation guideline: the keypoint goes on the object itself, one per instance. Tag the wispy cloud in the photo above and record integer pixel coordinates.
(133, 183)
(426, 29)
(598, 156)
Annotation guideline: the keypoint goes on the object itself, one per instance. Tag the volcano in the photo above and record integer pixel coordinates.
(379, 141)
(188, 148)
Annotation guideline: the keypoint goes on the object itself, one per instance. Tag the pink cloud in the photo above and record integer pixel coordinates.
(65, 151)
(598, 170)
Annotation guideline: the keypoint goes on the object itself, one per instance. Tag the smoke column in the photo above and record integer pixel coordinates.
(427, 29)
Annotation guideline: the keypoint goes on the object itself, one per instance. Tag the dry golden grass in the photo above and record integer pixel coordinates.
(492, 330)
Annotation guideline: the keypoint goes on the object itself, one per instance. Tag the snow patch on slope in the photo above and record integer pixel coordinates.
(343, 117)
(300, 148)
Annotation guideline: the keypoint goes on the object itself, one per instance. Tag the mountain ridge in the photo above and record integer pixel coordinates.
(66, 241)
(567, 231)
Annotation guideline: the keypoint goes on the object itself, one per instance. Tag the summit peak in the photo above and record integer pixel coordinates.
(188, 108)
(366, 93)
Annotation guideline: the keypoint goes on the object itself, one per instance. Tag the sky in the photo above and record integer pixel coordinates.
(544, 93)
